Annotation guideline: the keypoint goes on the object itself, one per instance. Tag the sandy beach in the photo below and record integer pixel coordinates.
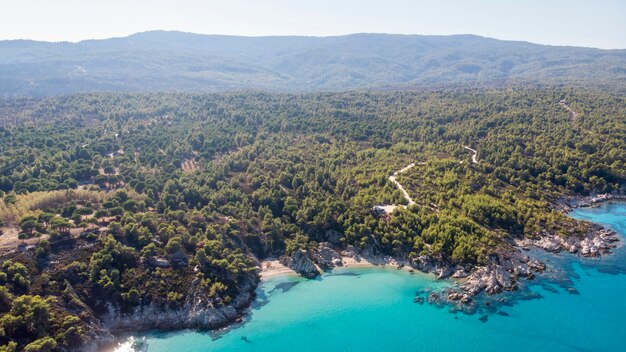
(273, 267)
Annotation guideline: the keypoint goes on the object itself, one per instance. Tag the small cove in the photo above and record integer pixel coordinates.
(372, 309)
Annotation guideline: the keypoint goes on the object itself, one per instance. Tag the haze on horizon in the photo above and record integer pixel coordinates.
(558, 22)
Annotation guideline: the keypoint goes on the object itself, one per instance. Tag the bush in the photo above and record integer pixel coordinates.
(46, 344)
(9, 347)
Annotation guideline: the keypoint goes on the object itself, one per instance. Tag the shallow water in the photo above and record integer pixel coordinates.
(372, 309)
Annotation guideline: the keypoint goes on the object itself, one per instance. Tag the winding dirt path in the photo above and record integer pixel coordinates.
(474, 154)
(392, 178)
(389, 208)
(573, 114)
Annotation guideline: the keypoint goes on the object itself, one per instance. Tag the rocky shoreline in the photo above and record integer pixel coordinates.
(196, 313)
(502, 273)
(566, 204)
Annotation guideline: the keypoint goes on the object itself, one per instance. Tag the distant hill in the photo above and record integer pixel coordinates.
(175, 61)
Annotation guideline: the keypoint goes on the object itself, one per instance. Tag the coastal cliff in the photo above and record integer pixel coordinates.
(197, 312)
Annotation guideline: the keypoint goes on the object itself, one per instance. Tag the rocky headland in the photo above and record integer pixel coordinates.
(197, 312)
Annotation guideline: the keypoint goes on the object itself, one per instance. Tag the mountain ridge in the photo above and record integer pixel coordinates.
(181, 61)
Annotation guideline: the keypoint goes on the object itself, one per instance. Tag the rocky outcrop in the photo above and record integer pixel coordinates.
(567, 203)
(597, 242)
(443, 272)
(96, 340)
(95, 336)
(454, 295)
(502, 272)
(423, 263)
(197, 312)
(158, 262)
(350, 251)
(300, 261)
(326, 257)
(460, 273)
(491, 279)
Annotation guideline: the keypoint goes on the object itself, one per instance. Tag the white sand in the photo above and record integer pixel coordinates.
(272, 268)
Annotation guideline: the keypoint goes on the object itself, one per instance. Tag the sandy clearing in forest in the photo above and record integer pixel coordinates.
(188, 165)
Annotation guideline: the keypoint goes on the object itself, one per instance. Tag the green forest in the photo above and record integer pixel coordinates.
(133, 200)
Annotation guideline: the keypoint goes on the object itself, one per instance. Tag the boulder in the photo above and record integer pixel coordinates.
(159, 262)
(465, 298)
(536, 265)
(522, 270)
(455, 296)
(475, 282)
(433, 297)
(503, 278)
(460, 273)
(548, 243)
(300, 261)
(491, 283)
(326, 257)
(423, 263)
(492, 279)
(443, 272)
(350, 251)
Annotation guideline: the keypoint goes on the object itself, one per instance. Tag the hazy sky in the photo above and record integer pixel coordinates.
(594, 23)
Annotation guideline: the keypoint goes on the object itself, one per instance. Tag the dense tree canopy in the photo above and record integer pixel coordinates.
(140, 199)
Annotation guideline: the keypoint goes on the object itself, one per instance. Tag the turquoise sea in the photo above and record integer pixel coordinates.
(372, 309)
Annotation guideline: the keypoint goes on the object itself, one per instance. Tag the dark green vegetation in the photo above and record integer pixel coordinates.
(272, 174)
(174, 61)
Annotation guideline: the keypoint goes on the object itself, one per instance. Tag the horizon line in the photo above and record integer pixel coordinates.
(301, 36)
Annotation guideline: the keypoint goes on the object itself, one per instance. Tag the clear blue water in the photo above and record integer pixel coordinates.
(372, 309)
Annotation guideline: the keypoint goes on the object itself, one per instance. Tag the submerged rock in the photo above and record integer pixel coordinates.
(454, 296)
(536, 265)
(432, 297)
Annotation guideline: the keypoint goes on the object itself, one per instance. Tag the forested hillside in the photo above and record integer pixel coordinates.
(117, 201)
(175, 61)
